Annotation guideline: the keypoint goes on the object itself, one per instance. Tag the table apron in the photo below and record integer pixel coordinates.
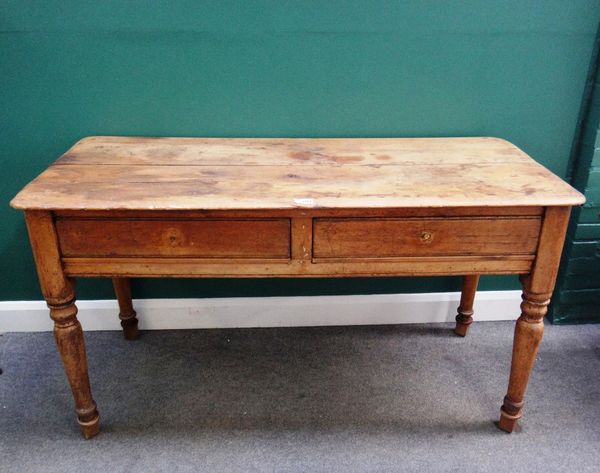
(198, 268)
(304, 246)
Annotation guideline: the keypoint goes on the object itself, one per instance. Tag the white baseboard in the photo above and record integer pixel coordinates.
(160, 314)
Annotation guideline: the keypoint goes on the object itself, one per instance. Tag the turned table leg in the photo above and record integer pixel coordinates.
(528, 335)
(537, 289)
(129, 321)
(69, 340)
(59, 293)
(465, 310)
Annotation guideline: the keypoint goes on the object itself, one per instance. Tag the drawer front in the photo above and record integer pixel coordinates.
(264, 238)
(391, 237)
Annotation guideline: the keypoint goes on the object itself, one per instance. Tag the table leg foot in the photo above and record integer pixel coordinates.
(462, 328)
(510, 413)
(130, 328)
(508, 422)
(90, 428)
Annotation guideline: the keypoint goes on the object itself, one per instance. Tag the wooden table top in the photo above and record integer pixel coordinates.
(131, 173)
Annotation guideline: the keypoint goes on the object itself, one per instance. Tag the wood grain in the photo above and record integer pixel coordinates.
(59, 292)
(206, 207)
(363, 237)
(537, 290)
(341, 267)
(464, 318)
(127, 314)
(119, 150)
(393, 212)
(149, 174)
(194, 238)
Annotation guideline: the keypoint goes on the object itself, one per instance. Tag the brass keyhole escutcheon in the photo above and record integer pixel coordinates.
(426, 236)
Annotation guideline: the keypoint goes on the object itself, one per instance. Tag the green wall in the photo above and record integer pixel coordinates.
(514, 69)
(577, 295)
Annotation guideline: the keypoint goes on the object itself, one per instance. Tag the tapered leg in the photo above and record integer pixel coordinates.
(537, 289)
(129, 321)
(69, 340)
(59, 292)
(465, 310)
(528, 335)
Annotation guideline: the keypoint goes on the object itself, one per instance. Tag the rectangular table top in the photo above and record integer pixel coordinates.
(134, 173)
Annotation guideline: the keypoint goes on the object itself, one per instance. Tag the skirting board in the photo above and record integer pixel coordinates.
(161, 314)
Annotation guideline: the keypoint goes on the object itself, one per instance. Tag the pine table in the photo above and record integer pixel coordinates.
(124, 207)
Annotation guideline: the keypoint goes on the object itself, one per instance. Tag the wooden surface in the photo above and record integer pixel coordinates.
(59, 292)
(141, 207)
(194, 238)
(537, 290)
(129, 321)
(363, 238)
(217, 173)
(464, 318)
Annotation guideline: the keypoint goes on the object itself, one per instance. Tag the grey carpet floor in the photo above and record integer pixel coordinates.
(333, 399)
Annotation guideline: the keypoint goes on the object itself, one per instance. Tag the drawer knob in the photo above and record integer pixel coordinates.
(426, 236)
